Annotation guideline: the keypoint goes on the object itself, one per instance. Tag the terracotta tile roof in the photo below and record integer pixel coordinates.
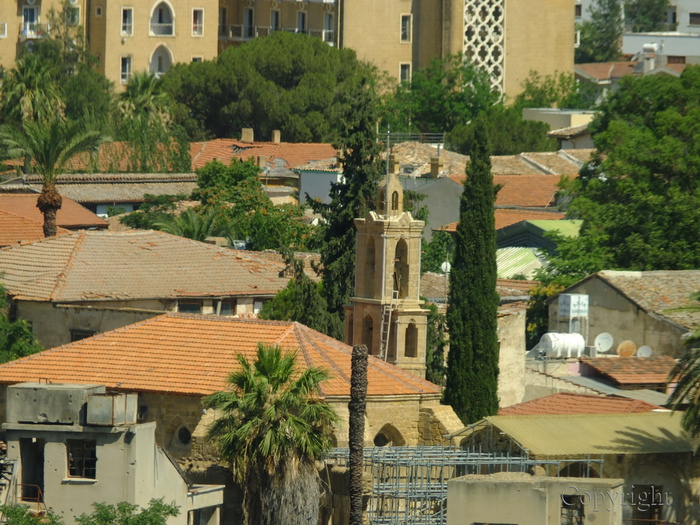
(605, 70)
(225, 150)
(570, 403)
(659, 292)
(580, 155)
(552, 162)
(71, 215)
(630, 370)
(527, 190)
(193, 355)
(15, 229)
(436, 287)
(568, 133)
(107, 266)
(112, 187)
(507, 216)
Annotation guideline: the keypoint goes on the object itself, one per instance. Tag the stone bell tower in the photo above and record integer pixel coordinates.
(385, 313)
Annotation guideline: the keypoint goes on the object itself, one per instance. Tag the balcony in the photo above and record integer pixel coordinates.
(30, 30)
(243, 33)
(166, 29)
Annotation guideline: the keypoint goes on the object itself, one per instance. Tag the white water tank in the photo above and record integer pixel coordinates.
(554, 344)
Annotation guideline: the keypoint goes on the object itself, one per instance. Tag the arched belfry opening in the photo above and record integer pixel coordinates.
(370, 269)
(368, 333)
(411, 341)
(401, 269)
(395, 201)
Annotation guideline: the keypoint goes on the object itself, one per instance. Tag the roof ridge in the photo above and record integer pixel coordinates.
(329, 362)
(63, 274)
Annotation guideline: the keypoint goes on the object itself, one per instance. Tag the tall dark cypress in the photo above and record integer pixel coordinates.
(360, 154)
(472, 362)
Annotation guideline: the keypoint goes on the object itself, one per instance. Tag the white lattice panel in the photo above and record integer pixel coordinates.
(484, 24)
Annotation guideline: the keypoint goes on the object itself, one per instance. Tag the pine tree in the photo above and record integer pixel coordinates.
(472, 363)
(362, 167)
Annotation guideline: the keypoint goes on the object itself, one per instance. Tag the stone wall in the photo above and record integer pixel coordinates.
(511, 357)
(539, 384)
(177, 418)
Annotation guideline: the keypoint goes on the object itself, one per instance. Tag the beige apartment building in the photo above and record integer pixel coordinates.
(508, 38)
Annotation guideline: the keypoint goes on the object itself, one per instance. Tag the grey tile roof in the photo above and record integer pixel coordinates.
(104, 266)
(659, 292)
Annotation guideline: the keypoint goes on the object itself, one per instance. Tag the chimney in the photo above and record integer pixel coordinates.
(276, 136)
(435, 167)
(247, 135)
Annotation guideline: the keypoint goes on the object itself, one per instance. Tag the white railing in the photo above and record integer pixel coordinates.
(162, 29)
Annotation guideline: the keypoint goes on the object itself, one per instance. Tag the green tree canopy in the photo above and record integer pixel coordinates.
(439, 96)
(601, 36)
(643, 16)
(272, 427)
(640, 196)
(291, 82)
(16, 337)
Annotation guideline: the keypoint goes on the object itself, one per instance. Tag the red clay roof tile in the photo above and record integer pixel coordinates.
(193, 355)
(15, 229)
(632, 370)
(570, 403)
(71, 215)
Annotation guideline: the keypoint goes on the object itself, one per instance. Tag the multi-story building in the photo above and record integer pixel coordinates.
(398, 36)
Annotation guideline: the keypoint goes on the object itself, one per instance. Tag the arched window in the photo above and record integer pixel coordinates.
(368, 333)
(401, 269)
(160, 61)
(411, 342)
(162, 20)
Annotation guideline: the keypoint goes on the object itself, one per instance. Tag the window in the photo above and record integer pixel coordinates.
(405, 73)
(3, 29)
(228, 308)
(328, 27)
(73, 16)
(82, 458)
(274, 20)
(676, 59)
(406, 28)
(127, 21)
(571, 509)
(301, 22)
(577, 10)
(223, 18)
(694, 19)
(189, 308)
(197, 59)
(248, 23)
(78, 334)
(30, 19)
(98, 11)
(197, 22)
(126, 69)
(257, 305)
(162, 21)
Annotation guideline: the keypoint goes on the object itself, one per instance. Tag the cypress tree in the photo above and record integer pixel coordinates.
(360, 154)
(472, 363)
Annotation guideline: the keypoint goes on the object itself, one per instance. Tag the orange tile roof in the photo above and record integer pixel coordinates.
(108, 266)
(436, 286)
(605, 70)
(193, 355)
(225, 150)
(71, 215)
(528, 191)
(15, 229)
(631, 370)
(570, 403)
(507, 216)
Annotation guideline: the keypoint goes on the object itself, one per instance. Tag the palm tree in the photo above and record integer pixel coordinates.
(51, 144)
(272, 428)
(192, 226)
(686, 374)
(31, 92)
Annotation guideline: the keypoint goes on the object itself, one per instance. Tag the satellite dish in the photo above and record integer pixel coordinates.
(445, 267)
(645, 351)
(626, 349)
(603, 342)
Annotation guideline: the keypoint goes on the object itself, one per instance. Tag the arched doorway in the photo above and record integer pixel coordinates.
(161, 60)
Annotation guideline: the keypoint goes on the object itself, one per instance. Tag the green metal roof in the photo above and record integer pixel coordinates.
(595, 434)
(568, 228)
(518, 261)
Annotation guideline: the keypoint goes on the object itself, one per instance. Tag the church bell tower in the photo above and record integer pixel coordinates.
(385, 314)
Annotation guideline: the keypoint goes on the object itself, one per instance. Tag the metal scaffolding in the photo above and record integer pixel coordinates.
(409, 484)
